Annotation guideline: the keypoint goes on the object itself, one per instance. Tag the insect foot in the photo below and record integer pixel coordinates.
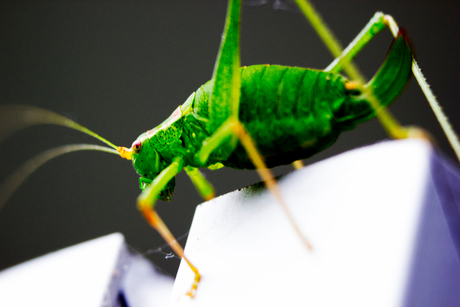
(156, 222)
(419, 133)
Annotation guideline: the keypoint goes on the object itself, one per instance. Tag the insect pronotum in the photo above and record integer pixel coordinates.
(121, 68)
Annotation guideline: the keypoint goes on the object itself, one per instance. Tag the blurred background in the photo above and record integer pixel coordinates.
(121, 67)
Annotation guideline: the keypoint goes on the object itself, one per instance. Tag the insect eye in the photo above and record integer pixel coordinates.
(136, 146)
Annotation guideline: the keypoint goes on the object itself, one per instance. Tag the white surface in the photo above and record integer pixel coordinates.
(360, 211)
(75, 276)
(145, 286)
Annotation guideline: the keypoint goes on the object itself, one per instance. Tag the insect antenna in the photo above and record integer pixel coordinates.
(14, 118)
(13, 182)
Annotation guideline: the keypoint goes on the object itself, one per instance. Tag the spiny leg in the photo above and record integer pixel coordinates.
(435, 106)
(234, 128)
(266, 175)
(377, 23)
(372, 28)
(392, 127)
(388, 122)
(146, 202)
(224, 108)
(156, 222)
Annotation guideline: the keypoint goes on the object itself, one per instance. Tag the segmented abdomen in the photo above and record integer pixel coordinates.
(287, 112)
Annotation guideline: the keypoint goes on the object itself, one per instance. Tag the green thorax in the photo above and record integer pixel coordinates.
(159, 146)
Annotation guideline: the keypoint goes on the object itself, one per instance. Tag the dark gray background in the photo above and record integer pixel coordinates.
(121, 67)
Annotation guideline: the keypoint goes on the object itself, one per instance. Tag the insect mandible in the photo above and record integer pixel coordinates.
(90, 112)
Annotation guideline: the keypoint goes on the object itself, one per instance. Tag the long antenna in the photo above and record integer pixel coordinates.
(13, 182)
(14, 118)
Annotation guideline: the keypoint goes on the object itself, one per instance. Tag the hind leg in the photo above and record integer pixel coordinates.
(393, 128)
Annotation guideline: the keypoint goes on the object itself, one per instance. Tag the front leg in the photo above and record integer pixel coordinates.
(144, 182)
(146, 203)
(148, 196)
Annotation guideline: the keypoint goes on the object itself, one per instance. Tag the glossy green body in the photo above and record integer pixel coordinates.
(286, 110)
(291, 113)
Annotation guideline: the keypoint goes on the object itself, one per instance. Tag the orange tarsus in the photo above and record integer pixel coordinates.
(156, 222)
(209, 197)
(298, 164)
